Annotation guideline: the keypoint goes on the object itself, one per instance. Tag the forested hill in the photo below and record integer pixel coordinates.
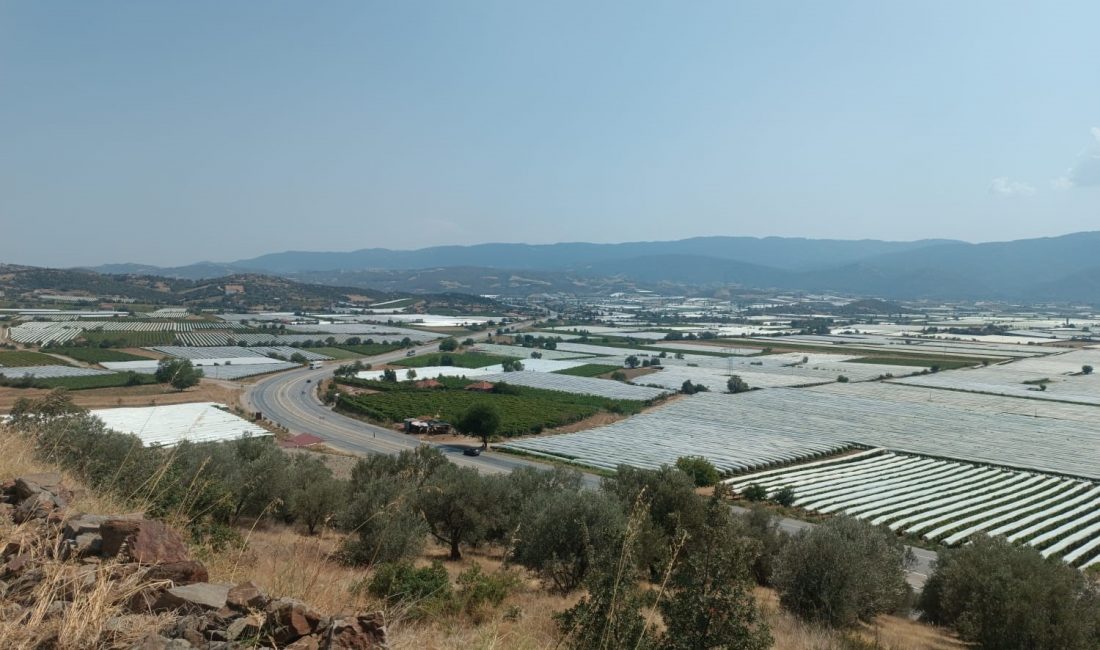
(233, 291)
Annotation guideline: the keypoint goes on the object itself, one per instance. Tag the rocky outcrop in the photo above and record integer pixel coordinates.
(161, 577)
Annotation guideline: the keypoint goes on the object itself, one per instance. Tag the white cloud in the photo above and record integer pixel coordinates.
(1007, 187)
(1085, 172)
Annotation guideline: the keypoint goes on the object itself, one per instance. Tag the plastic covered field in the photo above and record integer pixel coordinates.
(172, 424)
(948, 501)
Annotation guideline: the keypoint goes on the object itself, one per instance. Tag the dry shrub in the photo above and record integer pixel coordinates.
(286, 563)
(18, 458)
(887, 632)
(73, 605)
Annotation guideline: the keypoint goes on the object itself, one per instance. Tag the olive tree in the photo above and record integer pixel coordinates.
(559, 530)
(480, 421)
(314, 495)
(842, 572)
(1006, 597)
(178, 373)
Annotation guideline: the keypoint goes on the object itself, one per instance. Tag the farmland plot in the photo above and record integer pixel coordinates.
(366, 330)
(1056, 377)
(238, 368)
(21, 358)
(932, 347)
(703, 347)
(50, 372)
(948, 501)
(578, 385)
(701, 425)
(520, 352)
(240, 371)
(170, 425)
(62, 331)
(739, 431)
(235, 352)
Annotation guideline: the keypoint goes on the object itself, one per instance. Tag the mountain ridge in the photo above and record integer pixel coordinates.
(1034, 270)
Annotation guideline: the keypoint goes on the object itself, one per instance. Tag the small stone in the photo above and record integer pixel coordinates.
(180, 573)
(247, 595)
(16, 565)
(23, 587)
(87, 544)
(196, 597)
(38, 506)
(291, 619)
(30, 484)
(158, 642)
(304, 643)
(146, 541)
(56, 608)
(244, 628)
(363, 632)
(81, 524)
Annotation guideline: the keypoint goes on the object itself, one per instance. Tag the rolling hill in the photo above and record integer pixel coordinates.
(1053, 269)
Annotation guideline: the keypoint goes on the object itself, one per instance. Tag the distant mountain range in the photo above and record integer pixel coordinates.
(1054, 269)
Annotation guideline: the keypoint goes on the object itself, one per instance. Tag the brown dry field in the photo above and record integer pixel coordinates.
(206, 391)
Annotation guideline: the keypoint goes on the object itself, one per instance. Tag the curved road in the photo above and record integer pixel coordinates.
(290, 399)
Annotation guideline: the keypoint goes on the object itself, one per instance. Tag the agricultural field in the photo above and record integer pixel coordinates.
(759, 428)
(369, 349)
(1058, 377)
(699, 425)
(380, 333)
(525, 353)
(605, 388)
(49, 372)
(96, 355)
(925, 362)
(171, 424)
(458, 359)
(589, 370)
(891, 345)
(137, 332)
(241, 371)
(946, 501)
(122, 339)
(522, 410)
(85, 382)
(337, 353)
(21, 359)
(238, 354)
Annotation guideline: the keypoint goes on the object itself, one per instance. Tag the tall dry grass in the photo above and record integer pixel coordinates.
(286, 563)
(17, 458)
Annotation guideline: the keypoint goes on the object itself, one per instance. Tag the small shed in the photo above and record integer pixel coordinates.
(428, 383)
(426, 425)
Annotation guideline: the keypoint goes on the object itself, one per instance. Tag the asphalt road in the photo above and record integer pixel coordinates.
(290, 399)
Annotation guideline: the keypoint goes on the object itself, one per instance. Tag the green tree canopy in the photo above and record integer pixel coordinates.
(480, 421)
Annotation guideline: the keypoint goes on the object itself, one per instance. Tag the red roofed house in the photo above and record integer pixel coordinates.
(428, 383)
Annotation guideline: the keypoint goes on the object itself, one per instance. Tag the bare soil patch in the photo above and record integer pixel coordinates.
(148, 395)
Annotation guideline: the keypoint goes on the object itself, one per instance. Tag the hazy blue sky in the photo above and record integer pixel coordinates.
(168, 133)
